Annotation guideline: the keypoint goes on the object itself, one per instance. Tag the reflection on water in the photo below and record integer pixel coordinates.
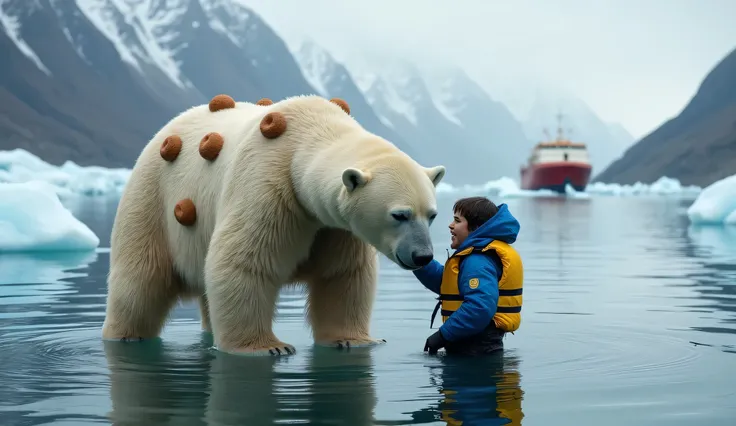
(629, 318)
(715, 249)
(483, 391)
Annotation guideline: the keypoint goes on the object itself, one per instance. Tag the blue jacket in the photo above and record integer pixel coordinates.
(479, 305)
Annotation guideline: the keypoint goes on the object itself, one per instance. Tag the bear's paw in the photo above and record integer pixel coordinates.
(264, 102)
(277, 349)
(210, 146)
(221, 102)
(273, 125)
(185, 212)
(342, 104)
(170, 148)
(353, 343)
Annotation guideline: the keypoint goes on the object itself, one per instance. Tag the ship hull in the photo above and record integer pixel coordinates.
(555, 176)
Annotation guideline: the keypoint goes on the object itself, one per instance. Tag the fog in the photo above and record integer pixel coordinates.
(634, 62)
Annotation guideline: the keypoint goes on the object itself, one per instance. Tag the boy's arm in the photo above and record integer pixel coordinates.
(479, 304)
(430, 275)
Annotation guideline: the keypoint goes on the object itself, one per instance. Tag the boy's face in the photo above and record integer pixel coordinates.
(458, 230)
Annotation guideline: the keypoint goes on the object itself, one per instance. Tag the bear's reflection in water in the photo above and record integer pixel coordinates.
(151, 386)
(155, 384)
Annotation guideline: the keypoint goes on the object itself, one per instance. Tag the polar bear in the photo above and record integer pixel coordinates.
(229, 201)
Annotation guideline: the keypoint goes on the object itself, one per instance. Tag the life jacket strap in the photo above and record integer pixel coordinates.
(451, 297)
(434, 312)
(508, 309)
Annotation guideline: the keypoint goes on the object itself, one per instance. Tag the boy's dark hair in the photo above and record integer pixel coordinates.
(476, 210)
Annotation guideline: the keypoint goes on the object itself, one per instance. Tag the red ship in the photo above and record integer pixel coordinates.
(555, 163)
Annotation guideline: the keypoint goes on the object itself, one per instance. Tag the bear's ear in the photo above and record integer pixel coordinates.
(354, 178)
(435, 174)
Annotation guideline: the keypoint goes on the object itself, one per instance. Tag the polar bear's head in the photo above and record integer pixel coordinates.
(391, 205)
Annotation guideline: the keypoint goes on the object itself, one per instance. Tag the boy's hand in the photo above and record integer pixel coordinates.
(434, 342)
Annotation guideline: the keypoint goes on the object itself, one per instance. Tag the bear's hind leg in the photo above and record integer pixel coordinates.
(142, 285)
(138, 303)
(204, 313)
(342, 285)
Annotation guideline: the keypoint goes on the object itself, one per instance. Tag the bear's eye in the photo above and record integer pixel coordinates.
(400, 216)
(431, 217)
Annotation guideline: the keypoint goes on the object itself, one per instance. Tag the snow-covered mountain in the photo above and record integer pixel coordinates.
(331, 79)
(537, 105)
(698, 146)
(444, 117)
(486, 122)
(92, 80)
(400, 95)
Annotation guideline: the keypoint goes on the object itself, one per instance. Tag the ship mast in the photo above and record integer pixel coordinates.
(559, 126)
(560, 133)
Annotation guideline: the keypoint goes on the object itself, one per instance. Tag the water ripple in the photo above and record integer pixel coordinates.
(628, 318)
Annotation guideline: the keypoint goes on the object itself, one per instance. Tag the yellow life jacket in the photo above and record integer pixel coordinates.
(510, 285)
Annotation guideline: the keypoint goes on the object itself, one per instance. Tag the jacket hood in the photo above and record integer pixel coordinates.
(503, 226)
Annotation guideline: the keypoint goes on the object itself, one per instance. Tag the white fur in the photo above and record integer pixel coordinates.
(311, 206)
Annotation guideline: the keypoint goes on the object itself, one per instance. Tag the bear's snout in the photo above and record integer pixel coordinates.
(421, 257)
(414, 248)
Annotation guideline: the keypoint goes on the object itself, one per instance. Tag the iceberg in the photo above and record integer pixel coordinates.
(662, 186)
(19, 166)
(507, 187)
(32, 218)
(716, 204)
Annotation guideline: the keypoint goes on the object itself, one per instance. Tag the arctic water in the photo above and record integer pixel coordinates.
(629, 318)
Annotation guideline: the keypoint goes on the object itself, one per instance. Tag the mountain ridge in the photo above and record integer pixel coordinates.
(697, 146)
(91, 81)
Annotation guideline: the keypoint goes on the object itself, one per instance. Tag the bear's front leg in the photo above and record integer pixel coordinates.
(241, 302)
(242, 306)
(342, 288)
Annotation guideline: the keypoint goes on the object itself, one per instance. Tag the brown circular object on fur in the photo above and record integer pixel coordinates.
(185, 212)
(273, 125)
(211, 145)
(170, 148)
(342, 104)
(220, 102)
(264, 102)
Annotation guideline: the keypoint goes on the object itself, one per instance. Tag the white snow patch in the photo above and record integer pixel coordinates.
(316, 66)
(364, 80)
(385, 121)
(716, 204)
(398, 104)
(104, 14)
(230, 19)
(11, 25)
(32, 218)
(443, 93)
(78, 49)
(446, 111)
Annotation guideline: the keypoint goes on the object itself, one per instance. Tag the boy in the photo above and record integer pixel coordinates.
(480, 285)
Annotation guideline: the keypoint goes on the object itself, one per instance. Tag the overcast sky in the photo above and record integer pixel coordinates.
(636, 62)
